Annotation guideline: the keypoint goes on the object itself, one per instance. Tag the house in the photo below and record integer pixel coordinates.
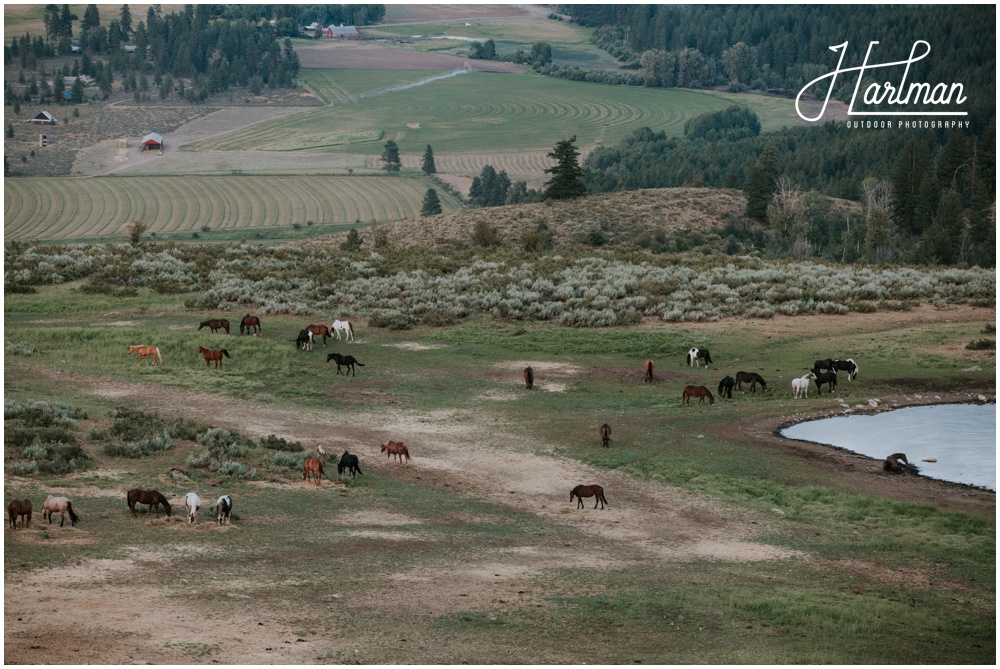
(130, 48)
(152, 142)
(85, 78)
(44, 118)
(342, 32)
(315, 25)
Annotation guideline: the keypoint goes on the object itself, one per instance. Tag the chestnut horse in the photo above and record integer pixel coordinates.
(22, 508)
(154, 498)
(59, 505)
(319, 331)
(211, 355)
(605, 435)
(701, 392)
(595, 491)
(648, 368)
(215, 324)
(251, 324)
(313, 468)
(150, 352)
(529, 378)
(395, 448)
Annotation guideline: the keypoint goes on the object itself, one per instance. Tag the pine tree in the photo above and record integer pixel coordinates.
(390, 157)
(125, 20)
(908, 172)
(432, 205)
(761, 183)
(567, 175)
(428, 165)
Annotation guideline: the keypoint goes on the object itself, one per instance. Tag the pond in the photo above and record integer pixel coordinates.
(960, 437)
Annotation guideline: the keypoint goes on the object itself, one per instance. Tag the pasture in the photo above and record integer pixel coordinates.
(473, 551)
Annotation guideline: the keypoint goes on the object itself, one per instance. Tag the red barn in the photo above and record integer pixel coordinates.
(152, 142)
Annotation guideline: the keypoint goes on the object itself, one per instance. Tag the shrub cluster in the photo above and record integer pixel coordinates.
(43, 439)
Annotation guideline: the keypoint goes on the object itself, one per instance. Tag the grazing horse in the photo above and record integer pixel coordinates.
(304, 340)
(696, 355)
(827, 364)
(193, 503)
(647, 369)
(891, 463)
(215, 324)
(22, 508)
(848, 366)
(753, 378)
(529, 378)
(349, 463)
(595, 491)
(701, 392)
(250, 324)
(344, 360)
(59, 505)
(829, 378)
(313, 468)
(345, 327)
(726, 387)
(150, 352)
(605, 435)
(801, 385)
(319, 331)
(224, 509)
(395, 448)
(154, 498)
(211, 355)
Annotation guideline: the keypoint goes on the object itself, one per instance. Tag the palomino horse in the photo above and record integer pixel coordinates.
(22, 508)
(848, 366)
(304, 340)
(347, 361)
(319, 331)
(801, 385)
(349, 463)
(211, 355)
(150, 352)
(397, 449)
(250, 324)
(726, 387)
(59, 505)
(345, 327)
(313, 468)
(529, 378)
(224, 509)
(647, 368)
(595, 491)
(696, 355)
(605, 432)
(192, 502)
(829, 378)
(753, 378)
(701, 392)
(154, 498)
(215, 324)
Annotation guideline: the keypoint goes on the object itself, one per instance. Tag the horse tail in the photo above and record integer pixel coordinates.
(359, 364)
(158, 356)
(72, 516)
(226, 353)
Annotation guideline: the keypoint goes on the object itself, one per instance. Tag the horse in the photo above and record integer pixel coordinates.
(891, 464)
(215, 324)
(345, 327)
(319, 331)
(304, 340)
(224, 510)
(59, 505)
(154, 498)
(344, 360)
(829, 378)
(848, 366)
(753, 378)
(696, 355)
(605, 432)
(826, 364)
(211, 355)
(395, 448)
(193, 503)
(349, 463)
(529, 378)
(647, 369)
(801, 385)
(22, 508)
(313, 468)
(251, 324)
(146, 352)
(701, 392)
(726, 387)
(595, 491)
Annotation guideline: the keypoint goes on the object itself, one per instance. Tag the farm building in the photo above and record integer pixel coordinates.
(86, 79)
(44, 118)
(342, 32)
(152, 142)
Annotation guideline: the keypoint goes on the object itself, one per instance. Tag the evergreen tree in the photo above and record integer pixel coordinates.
(125, 20)
(91, 18)
(908, 172)
(567, 175)
(428, 165)
(431, 205)
(390, 157)
(761, 183)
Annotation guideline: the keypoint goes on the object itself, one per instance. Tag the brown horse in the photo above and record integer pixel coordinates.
(529, 378)
(581, 491)
(891, 463)
(59, 505)
(605, 435)
(395, 448)
(313, 468)
(215, 324)
(251, 324)
(211, 355)
(701, 392)
(151, 497)
(150, 352)
(753, 378)
(319, 331)
(22, 508)
(648, 369)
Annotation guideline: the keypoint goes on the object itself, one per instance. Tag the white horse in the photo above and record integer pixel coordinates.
(193, 503)
(347, 328)
(223, 509)
(801, 385)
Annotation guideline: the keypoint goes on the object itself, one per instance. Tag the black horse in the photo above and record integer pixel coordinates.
(753, 378)
(349, 463)
(726, 387)
(827, 364)
(848, 366)
(344, 360)
(829, 378)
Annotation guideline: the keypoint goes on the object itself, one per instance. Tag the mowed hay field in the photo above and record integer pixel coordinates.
(70, 208)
